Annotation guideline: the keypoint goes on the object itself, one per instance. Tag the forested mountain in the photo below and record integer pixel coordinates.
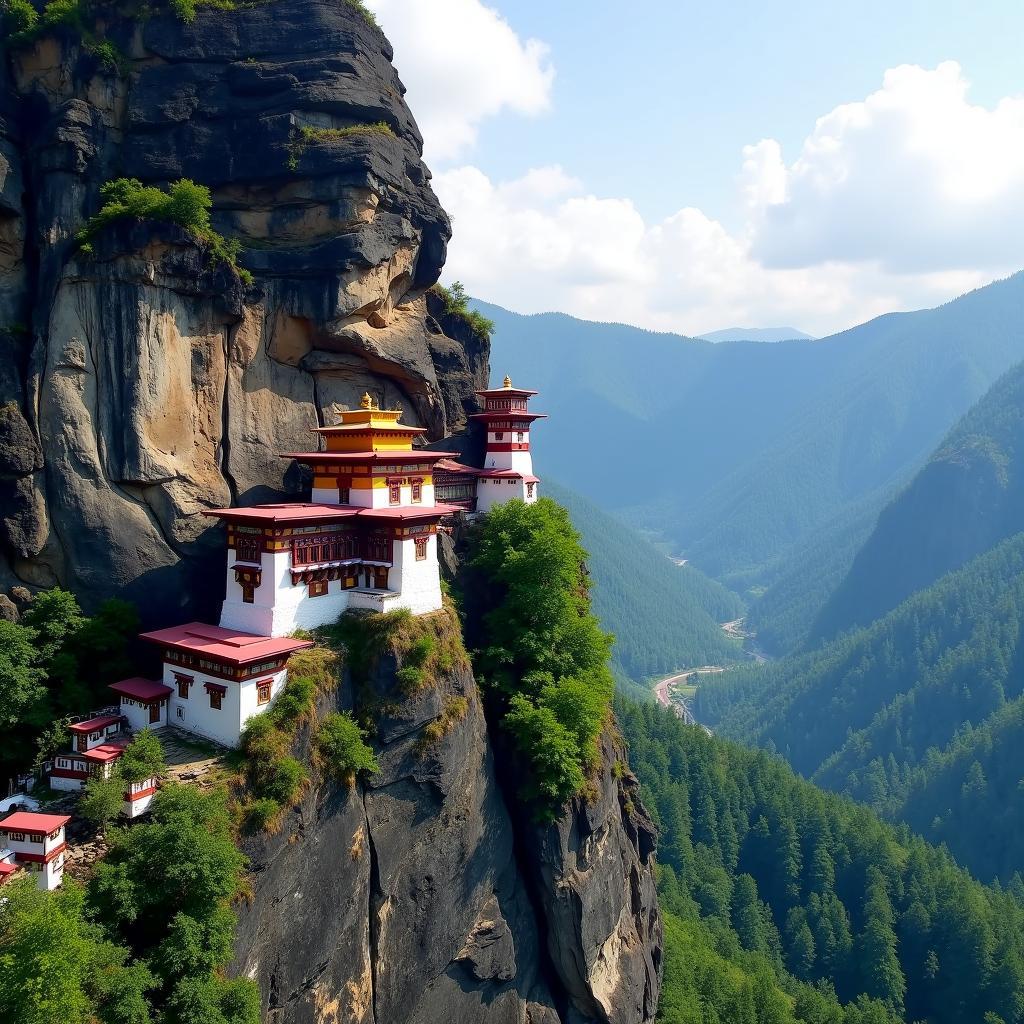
(664, 616)
(967, 498)
(772, 885)
(798, 583)
(739, 451)
(884, 713)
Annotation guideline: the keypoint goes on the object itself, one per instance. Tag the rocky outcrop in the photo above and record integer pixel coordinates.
(420, 897)
(593, 871)
(140, 385)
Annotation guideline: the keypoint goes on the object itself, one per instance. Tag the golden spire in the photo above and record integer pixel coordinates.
(366, 402)
(508, 381)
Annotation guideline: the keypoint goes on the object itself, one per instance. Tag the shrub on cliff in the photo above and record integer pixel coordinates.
(540, 649)
(456, 304)
(184, 203)
(343, 749)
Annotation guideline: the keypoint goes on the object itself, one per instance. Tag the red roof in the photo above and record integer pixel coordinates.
(7, 869)
(104, 753)
(407, 512)
(93, 724)
(355, 458)
(457, 467)
(142, 689)
(224, 644)
(507, 414)
(303, 511)
(30, 821)
(366, 428)
(271, 513)
(509, 474)
(494, 392)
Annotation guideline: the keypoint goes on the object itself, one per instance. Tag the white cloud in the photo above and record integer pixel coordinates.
(902, 200)
(462, 63)
(914, 176)
(530, 250)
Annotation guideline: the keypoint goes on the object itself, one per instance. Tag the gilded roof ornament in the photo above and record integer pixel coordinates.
(508, 381)
(366, 402)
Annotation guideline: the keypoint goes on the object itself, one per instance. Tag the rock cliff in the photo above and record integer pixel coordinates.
(424, 896)
(140, 385)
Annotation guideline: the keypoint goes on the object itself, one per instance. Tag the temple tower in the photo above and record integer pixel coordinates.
(508, 465)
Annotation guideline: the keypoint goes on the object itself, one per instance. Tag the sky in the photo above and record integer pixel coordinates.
(690, 167)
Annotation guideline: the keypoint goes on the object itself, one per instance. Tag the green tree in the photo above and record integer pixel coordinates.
(343, 748)
(880, 965)
(56, 966)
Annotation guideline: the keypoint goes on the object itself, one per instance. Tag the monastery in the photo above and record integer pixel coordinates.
(366, 539)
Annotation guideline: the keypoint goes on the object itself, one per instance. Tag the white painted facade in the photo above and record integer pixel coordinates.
(140, 798)
(418, 581)
(21, 845)
(196, 713)
(491, 491)
(375, 497)
(137, 715)
(282, 604)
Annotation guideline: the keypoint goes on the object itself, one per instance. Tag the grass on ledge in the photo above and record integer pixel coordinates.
(424, 646)
(274, 780)
(309, 135)
(456, 304)
(184, 203)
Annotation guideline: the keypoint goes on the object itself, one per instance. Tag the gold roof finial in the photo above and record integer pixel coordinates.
(366, 402)
(508, 381)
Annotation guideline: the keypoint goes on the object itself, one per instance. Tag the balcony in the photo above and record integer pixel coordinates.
(373, 600)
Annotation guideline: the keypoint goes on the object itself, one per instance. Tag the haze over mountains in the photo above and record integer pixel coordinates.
(765, 465)
(756, 334)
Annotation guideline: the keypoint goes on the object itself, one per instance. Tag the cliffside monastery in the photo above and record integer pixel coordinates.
(366, 539)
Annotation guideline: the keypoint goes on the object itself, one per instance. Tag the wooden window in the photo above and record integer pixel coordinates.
(343, 495)
(247, 549)
(248, 593)
(499, 435)
(263, 691)
(417, 491)
(421, 548)
(216, 699)
(395, 494)
(16, 837)
(519, 437)
(317, 588)
(184, 682)
(529, 490)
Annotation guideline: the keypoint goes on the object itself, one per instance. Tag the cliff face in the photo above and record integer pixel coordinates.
(418, 897)
(141, 385)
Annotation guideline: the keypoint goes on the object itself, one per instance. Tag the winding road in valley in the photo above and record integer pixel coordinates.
(681, 705)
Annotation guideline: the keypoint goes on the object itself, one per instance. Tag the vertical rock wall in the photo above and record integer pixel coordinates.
(141, 384)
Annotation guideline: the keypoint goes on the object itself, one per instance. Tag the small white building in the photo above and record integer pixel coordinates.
(507, 471)
(95, 745)
(219, 677)
(99, 743)
(143, 702)
(138, 797)
(36, 843)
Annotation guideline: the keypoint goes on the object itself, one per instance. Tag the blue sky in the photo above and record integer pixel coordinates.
(616, 153)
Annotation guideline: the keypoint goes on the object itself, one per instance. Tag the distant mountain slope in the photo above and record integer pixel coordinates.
(881, 714)
(967, 498)
(757, 334)
(738, 451)
(664, 616)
